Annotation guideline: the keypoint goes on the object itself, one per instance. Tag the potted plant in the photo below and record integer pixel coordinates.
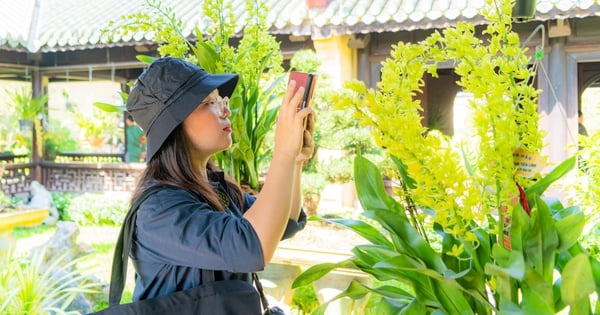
(28, 107)
(28, 110)
(469, 232)
(98, 127)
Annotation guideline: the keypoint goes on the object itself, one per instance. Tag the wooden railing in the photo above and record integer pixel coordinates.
(70, 172)
(90, 177)
(16, 175)
(65, 157)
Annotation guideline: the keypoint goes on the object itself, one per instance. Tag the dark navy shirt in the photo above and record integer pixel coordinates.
(177, 234)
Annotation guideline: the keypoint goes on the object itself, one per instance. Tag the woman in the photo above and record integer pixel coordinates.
(201, 220)
(136, 141)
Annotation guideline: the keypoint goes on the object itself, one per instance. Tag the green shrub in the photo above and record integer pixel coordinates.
(338, 170)
(58, 138)
(305, 60)
(305, 300)
(313, 183)
(98, 209)
(61, 201)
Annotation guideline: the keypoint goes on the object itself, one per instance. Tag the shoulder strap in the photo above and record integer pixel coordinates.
(259, 288)
(121, 254)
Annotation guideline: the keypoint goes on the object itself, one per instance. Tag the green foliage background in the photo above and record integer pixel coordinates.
(257, 59)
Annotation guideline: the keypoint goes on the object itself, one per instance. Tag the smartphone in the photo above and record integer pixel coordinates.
(308, 81)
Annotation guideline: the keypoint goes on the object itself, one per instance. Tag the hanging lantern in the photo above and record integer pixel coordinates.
(523, 10)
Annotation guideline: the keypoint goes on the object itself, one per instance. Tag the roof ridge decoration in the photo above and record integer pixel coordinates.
(32, 37)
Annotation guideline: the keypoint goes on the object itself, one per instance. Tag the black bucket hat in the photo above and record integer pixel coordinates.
(167, 92)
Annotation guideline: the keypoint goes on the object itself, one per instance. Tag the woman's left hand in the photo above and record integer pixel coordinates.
(308, 145)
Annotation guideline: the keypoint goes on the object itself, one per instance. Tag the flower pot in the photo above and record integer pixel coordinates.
(524, 9)
(25, 124)
(97, 141)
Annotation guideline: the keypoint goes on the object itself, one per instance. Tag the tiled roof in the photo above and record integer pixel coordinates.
(49, 25)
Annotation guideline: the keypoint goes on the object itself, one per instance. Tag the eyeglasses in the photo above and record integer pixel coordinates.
(220, 103)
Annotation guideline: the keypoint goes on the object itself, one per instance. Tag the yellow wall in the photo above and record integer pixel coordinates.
(338, 61)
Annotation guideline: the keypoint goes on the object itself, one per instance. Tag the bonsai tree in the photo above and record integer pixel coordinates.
(470, 231)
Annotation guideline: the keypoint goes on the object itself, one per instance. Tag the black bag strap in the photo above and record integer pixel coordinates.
(263, 298)
(123, 246)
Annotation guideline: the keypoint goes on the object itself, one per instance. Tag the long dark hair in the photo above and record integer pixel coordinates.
(172, 165)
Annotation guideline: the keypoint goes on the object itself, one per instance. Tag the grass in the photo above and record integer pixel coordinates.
(21, 233)
(103, 248)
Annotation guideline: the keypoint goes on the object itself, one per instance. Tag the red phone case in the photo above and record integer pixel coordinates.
(308, 81)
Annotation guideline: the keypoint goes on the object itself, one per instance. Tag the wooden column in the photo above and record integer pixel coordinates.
(38, 89)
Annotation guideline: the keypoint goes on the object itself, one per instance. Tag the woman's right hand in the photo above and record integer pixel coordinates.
(289, 129)
(271, 210)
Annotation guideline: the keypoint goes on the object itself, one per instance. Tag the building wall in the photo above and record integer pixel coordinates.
(338, 60)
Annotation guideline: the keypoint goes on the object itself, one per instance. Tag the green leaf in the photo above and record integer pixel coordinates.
(565, 212)
(145, 59)
(365, 230)
(315, 272)
(206, 54)
(369, 185)
(553, 203)
(408, 238)
(577, 249)
(272, 89)
(519, 226)
(538, 297)
(507, 307)
(403, 170)
(541, 240)
(451, 297)
(372, 254)
(110, 107)
(404, 264)
(355, 290)
(569, 230)
(510, 263)
(484, 250)
(401, 306)
(541, 185)
(321, 309)
(577, 280)
(398, 301)
(393, 292)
